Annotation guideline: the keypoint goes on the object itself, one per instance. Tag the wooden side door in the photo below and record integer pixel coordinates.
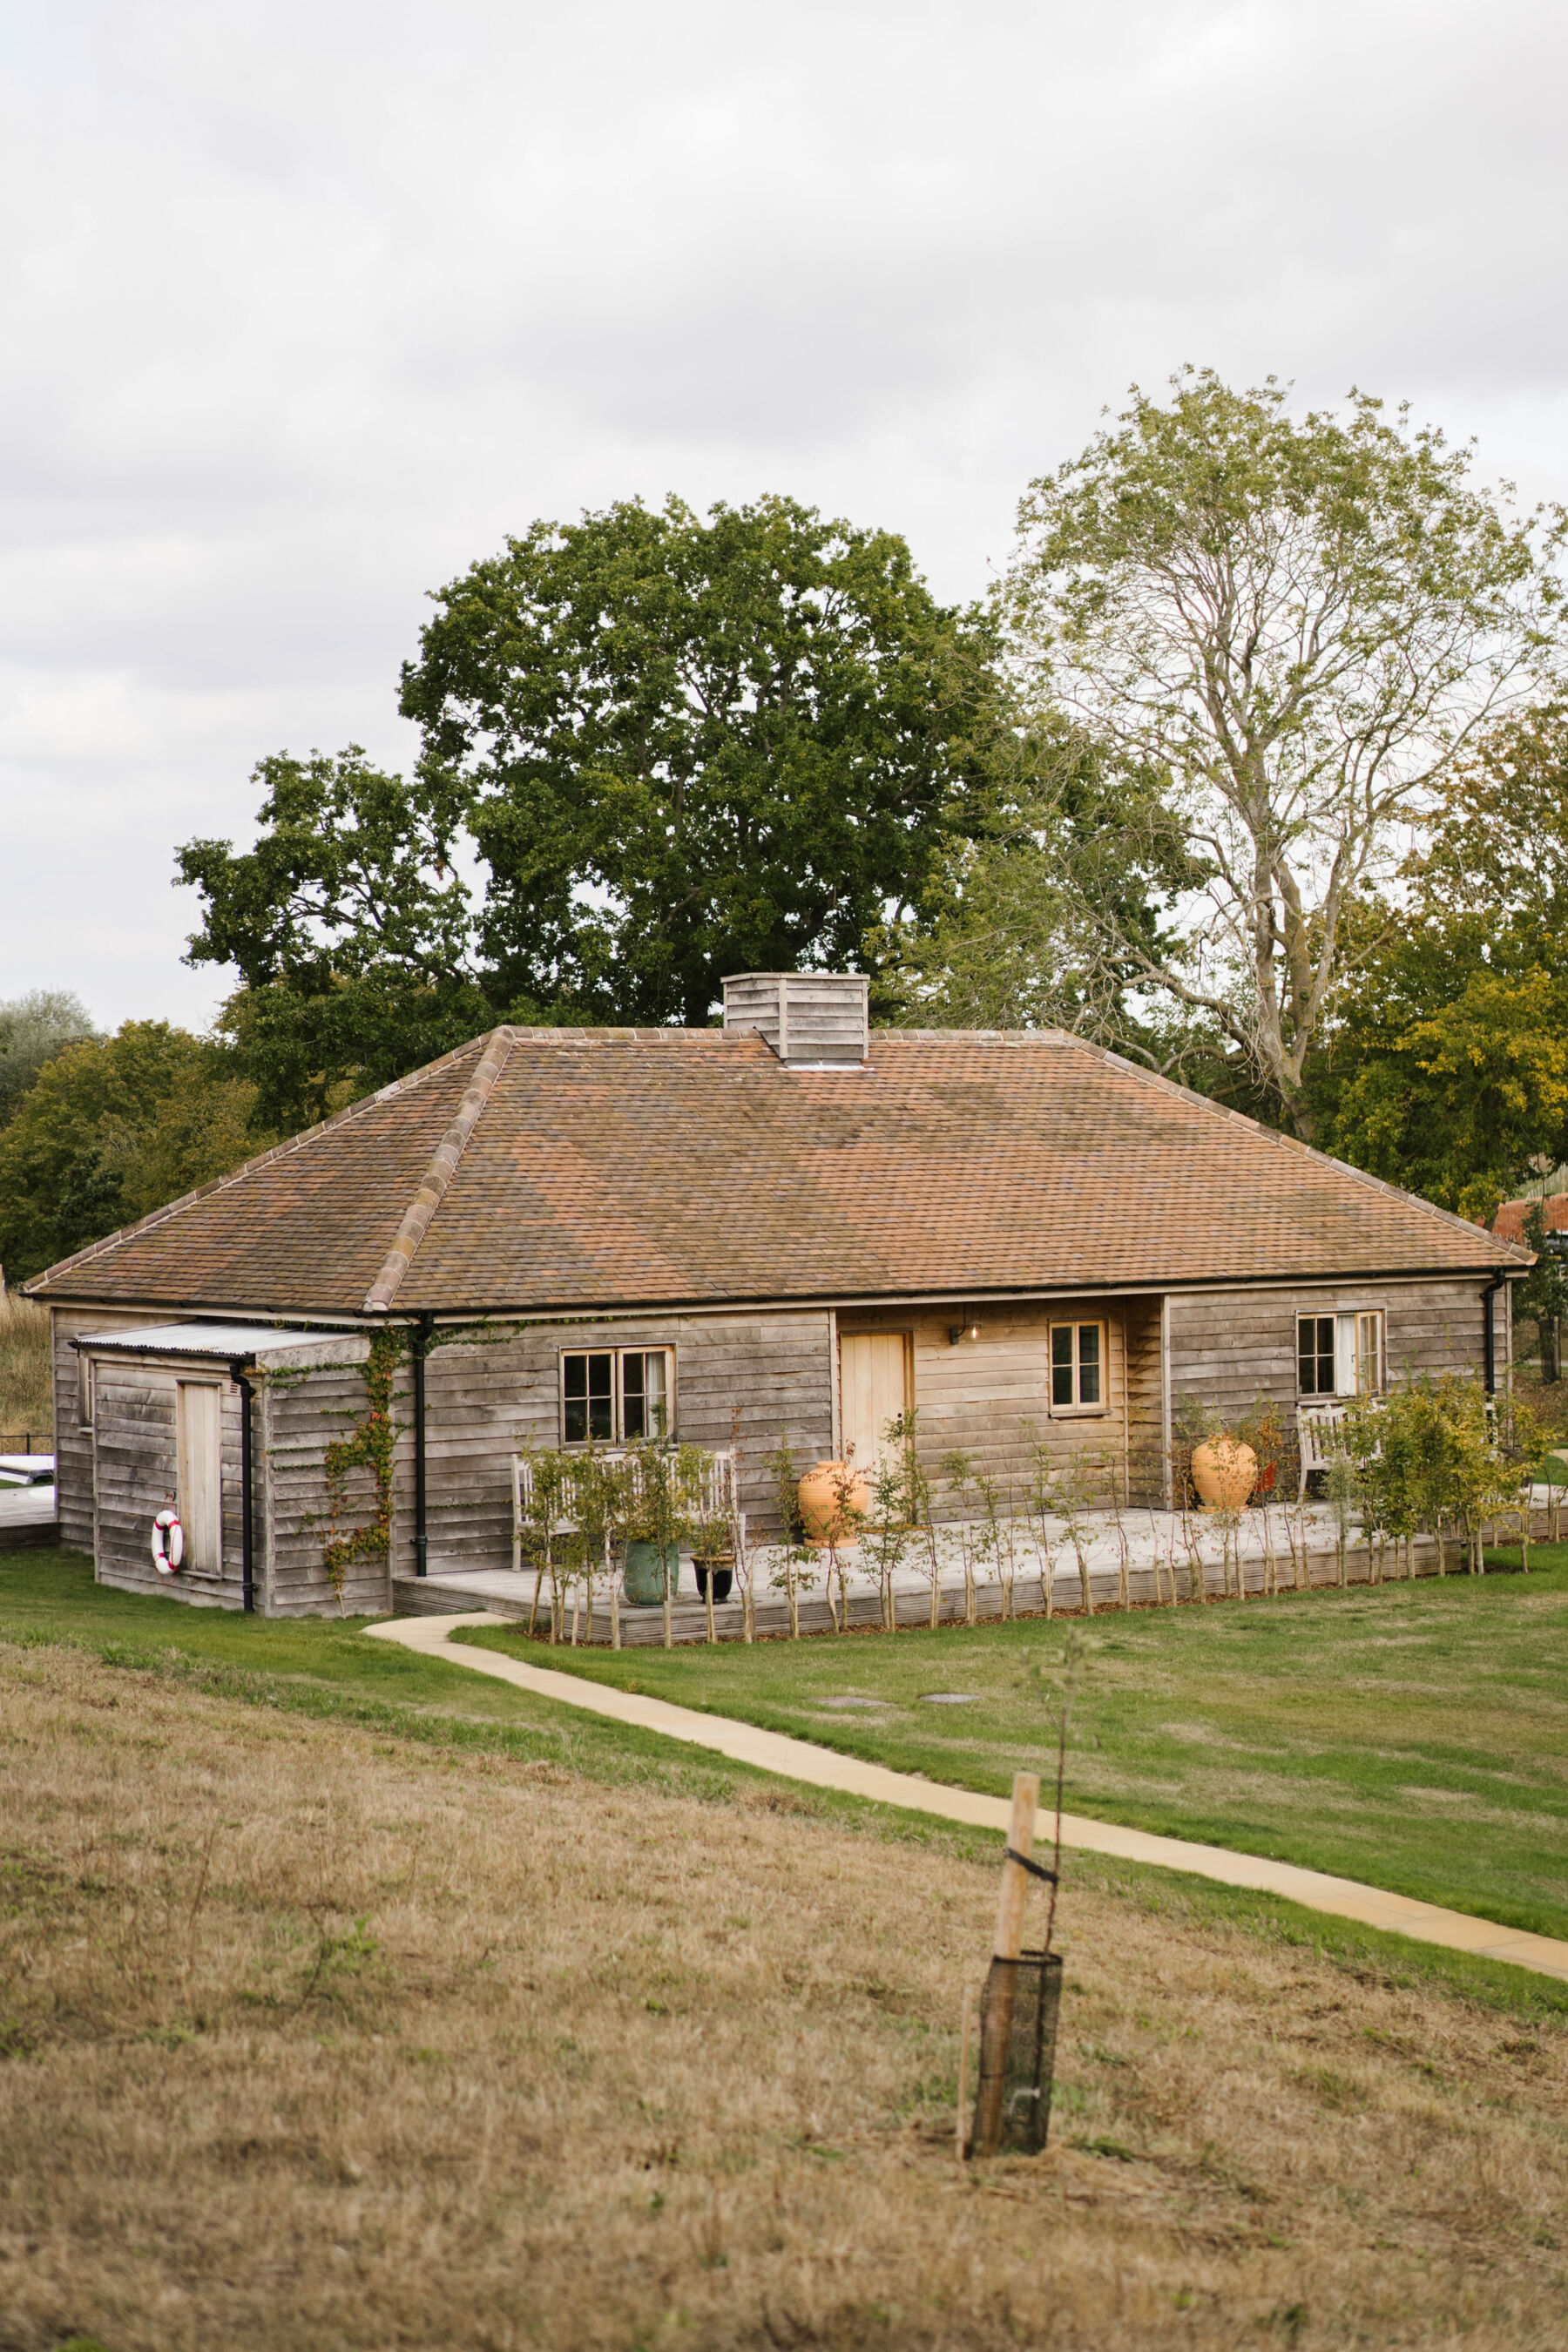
(873, 1389)
(199, 1459)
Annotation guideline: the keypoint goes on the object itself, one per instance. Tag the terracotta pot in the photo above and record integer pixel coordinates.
(1224, 1473)
(821, 1494)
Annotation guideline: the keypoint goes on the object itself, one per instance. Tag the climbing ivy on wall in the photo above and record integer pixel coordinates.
(368, 1445)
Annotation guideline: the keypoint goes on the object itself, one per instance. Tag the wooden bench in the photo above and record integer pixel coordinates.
(715, 1500)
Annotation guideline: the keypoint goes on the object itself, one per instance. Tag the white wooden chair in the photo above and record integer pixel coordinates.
(1315, 1428)
(717, 1498)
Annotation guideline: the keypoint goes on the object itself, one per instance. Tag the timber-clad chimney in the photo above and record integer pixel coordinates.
(812, 1020)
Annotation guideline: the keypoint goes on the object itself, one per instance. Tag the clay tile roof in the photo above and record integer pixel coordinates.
(1509, 1218)
(540, 1169)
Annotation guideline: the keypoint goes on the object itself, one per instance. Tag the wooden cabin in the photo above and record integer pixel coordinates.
(785, 1230)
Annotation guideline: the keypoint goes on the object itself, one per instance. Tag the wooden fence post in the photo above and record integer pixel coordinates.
(997, 2029)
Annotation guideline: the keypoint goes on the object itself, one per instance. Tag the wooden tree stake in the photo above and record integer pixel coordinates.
(998, 2027)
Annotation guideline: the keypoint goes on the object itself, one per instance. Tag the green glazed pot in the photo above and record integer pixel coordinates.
(645, 1573)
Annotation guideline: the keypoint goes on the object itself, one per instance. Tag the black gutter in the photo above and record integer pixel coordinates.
(247, 1505)
(419, 1345)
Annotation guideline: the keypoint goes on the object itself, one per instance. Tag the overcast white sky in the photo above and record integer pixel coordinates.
(302, 307)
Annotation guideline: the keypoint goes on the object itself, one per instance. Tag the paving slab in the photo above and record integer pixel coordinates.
(824, 1767)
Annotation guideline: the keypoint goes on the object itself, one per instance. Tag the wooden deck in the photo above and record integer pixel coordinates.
(507, 1594)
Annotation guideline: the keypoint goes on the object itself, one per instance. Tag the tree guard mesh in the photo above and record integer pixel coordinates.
(1018, 2009)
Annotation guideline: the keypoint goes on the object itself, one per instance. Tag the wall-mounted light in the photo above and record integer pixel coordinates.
(959, 1332)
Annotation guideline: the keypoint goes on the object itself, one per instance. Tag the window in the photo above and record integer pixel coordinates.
(1340, 1355)
(86, 1391)
(612, 1396)
(1078, 1368)
(1315, 1354)
(198, 1431)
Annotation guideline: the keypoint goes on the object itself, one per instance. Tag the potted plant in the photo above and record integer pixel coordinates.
(662, 1514)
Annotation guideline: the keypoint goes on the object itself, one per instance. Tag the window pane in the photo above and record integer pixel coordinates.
(589, 1389)
(575, 1390)
(1315, 1353)
(1368, 1356)
(656, 1389)
(601, 1397)
(1061, 1364)
(1088, 1363)
(633, 1418)
(643, 1384)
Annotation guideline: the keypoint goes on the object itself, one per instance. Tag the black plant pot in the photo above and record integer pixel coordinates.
(723, 1580)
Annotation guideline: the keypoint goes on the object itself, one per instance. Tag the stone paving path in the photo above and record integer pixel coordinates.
(822, 1767)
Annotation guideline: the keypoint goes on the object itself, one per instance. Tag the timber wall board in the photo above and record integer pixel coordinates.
(73, 1440)
(135, 1474)
(300, 1411)
(486, 1397)
(1230, 1349)
(990, 1397)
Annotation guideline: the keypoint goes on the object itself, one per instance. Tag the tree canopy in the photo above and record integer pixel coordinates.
(664, 747)
(111, 1130)
(1284, 632)
(33, 1029)
(1444, 1062)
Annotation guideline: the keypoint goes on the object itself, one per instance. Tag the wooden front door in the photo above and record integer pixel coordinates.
(199, 1473)
(873, 1389)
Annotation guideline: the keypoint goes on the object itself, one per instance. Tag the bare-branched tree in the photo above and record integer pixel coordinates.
(1283, 633)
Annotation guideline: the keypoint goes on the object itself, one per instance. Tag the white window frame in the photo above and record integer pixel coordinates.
(1077, 1411)
(1354, 1327)
(617, 1393)
(86, 1391)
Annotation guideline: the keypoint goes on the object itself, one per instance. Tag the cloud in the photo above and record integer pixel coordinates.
(308, 306)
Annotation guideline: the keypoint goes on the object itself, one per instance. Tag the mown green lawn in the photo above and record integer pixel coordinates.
(325, 1667)
(1412, 1735)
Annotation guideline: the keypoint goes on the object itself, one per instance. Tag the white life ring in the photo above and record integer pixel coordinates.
(168, 1543)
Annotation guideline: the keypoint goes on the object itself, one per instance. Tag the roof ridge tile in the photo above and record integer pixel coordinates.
(443, 1166)
(358, 1108)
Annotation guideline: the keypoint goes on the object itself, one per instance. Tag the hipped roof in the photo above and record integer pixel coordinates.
(548, 1169)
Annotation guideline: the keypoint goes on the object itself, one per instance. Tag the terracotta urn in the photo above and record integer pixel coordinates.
(821, 1495)
(1224, 1474)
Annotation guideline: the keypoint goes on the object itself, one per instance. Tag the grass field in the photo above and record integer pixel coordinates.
(324, 2035)
(325, 1670)
(26, 1403)
(1412, 1735)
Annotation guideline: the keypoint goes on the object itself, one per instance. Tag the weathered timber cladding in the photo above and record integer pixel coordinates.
(990, 1397)
(73, 1442)
(135, 1474)
(804, 1016)
(304, 1407)
(488, 1395)
(1146, 1442)
(1230, 1348)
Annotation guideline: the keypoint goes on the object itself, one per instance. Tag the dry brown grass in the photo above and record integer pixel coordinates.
(318, 2041)
(26, 1402)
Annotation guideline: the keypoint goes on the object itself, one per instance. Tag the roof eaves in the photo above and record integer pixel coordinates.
(443, 1166)
(350, 1111)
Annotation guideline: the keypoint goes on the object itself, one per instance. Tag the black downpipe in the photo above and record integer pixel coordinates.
(247, 1505)
(421, 1532)
(1489, 1329)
